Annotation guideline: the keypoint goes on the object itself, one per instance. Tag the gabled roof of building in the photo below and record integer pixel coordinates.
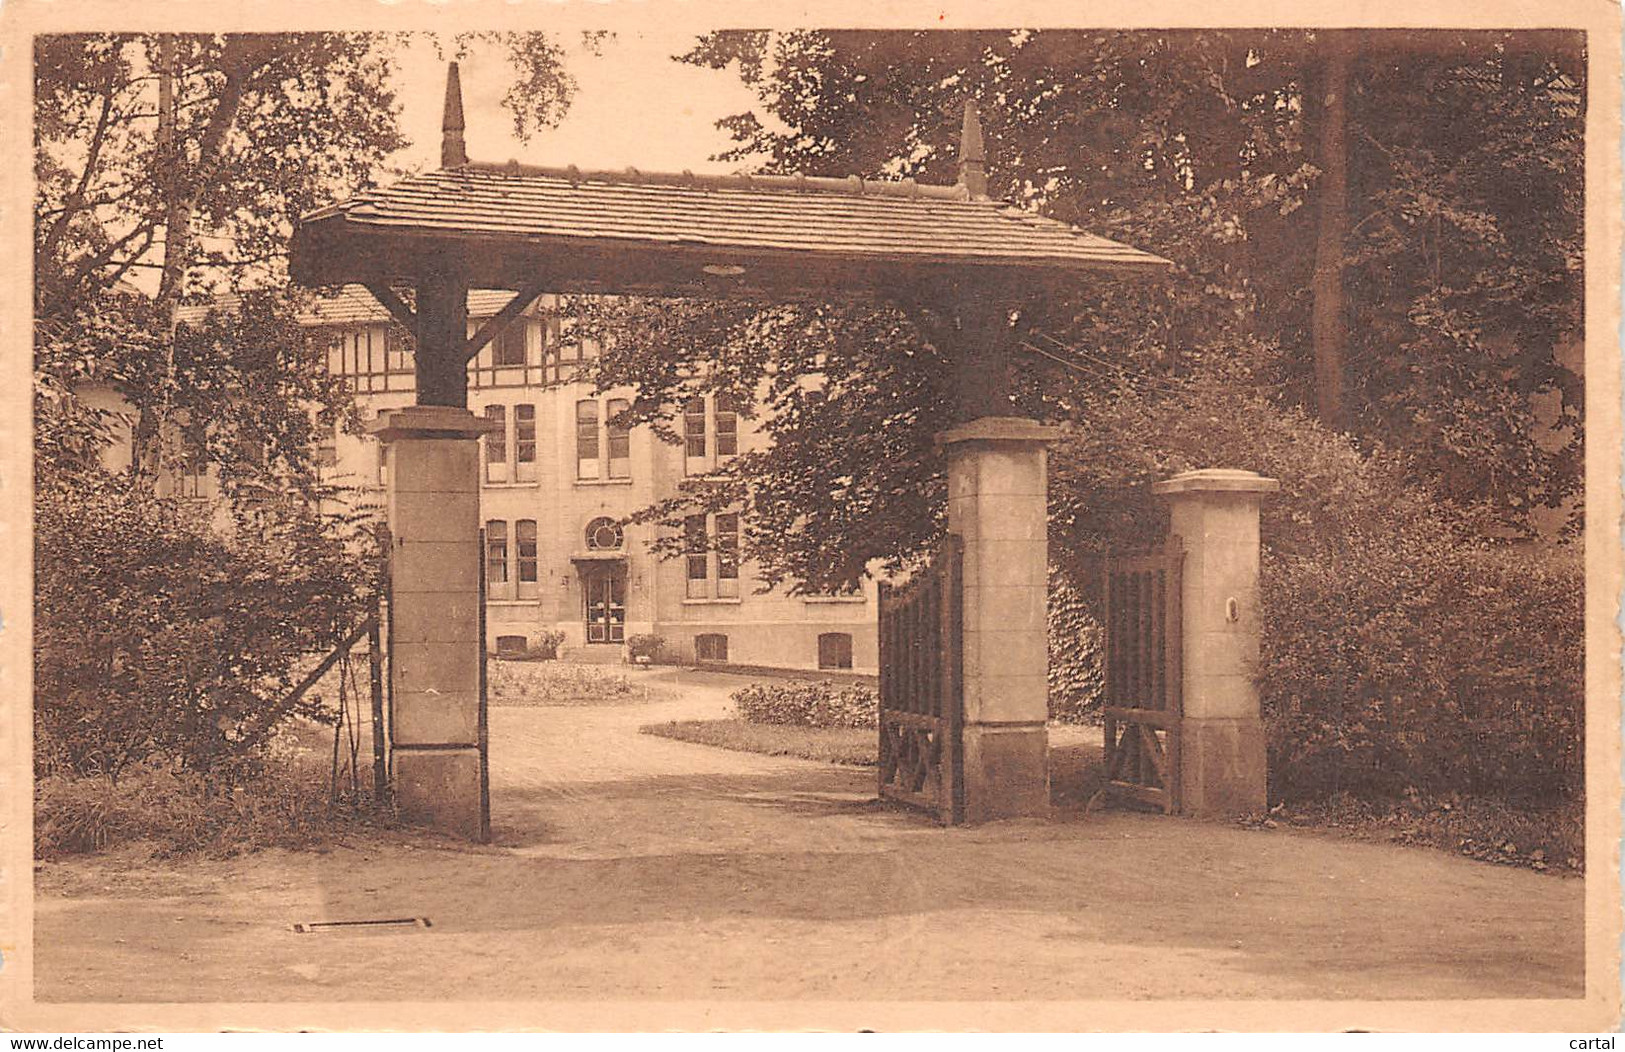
(348, 305)
(354, 305)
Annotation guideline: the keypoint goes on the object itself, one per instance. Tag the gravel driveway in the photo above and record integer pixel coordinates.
(628, 867)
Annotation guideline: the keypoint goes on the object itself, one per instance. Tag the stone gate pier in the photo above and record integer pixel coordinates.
(1214, 513)
(436, 759)
(998, 506)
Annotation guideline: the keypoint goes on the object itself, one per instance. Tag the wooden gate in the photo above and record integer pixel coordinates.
(922, 711)
(1144, 699)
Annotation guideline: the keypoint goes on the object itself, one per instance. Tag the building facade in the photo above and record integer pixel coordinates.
(559, 475)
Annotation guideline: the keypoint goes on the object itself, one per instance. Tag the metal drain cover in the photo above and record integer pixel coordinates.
(307, 927)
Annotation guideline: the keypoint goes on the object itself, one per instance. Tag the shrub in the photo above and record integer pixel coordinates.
(547, 644)
(808, 703)
(519, 682)
(648, 646)
(157, 637)
(1387, 667)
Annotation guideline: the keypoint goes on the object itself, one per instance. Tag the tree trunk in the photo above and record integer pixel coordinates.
(1327, 319)
(181, 186)
(145, 459)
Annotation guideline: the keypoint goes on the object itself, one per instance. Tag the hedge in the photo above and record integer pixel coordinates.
(1386, 668)
(809, 703)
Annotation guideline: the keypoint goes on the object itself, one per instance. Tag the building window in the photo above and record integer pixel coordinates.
(728, 556)
(727, 426)
(620, 439)
(694, 428)
(397, 349)
(192, 472)
(496, 556)
(524, 442)
(496, 444)
(604, 535)
(701, 567)
(498, 447)
(696, 557)
(835, 650)
(713, 646)
(719, 420)
(587, 440)
(524, 538)
(509, 346)
(603, 447)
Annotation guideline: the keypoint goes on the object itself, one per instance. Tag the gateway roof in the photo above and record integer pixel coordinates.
(847, 219)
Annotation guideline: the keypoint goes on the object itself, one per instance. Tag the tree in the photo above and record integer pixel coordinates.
(189, 157)
(1423, 311)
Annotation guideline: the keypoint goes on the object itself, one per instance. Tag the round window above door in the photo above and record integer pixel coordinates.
(604, 535)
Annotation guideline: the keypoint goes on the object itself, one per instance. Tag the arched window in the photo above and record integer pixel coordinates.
(604, 535)
(835, 650)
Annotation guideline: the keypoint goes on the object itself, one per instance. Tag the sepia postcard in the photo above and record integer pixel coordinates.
(785, 517)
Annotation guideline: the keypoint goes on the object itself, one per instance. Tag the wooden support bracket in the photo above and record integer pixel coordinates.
(499, 321)
(483, 335)
(394, 304)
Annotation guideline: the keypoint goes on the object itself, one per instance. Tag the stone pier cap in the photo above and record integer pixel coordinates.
(998, 429)
(429, 421)
(1217, 480)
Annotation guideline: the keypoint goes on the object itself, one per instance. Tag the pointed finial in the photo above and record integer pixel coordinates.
(452, 150)
(972, 156)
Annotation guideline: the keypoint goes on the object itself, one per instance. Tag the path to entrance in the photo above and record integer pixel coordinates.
(633, 867)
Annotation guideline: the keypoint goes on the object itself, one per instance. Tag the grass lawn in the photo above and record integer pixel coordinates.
(1074, 751)
(848, 745)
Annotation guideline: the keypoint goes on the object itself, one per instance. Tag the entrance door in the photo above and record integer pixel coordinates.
(605, 592)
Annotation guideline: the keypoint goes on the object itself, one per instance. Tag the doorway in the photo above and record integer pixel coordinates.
(603, 590)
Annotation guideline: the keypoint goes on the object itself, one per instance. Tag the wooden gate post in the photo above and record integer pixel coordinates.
(997, 505)
(1214, 512)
